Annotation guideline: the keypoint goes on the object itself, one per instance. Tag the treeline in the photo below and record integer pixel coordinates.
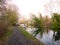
(45, 24)
(8, 16)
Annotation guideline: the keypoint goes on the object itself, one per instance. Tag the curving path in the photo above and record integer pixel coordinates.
(17, 38)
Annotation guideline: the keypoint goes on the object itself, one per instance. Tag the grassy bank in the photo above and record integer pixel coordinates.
(4, 39)
(31, 39)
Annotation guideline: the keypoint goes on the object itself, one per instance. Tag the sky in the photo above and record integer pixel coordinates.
(27, 7)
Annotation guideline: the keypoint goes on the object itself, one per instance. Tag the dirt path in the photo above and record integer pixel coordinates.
(17, 38)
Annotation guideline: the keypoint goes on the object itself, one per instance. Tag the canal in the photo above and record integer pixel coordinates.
(47, 39)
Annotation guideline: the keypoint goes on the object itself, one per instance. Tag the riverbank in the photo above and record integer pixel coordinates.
(30, 38)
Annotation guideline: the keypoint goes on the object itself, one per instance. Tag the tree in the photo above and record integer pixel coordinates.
(2, 10)
(38, 23)
(55, 25)
(42, 24)
(12, 15)
(3, 24)
(47, 23)
(8, 16)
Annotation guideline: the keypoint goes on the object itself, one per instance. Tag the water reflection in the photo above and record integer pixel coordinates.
(57, 36)
(47, 39)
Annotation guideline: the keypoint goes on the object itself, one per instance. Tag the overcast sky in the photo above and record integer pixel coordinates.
(45, 7)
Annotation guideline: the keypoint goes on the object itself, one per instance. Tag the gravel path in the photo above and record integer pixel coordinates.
(17, 38)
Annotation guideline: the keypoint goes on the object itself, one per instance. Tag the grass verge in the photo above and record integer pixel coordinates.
(30, 38)
(4, 39)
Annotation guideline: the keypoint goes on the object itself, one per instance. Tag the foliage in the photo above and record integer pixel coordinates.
(12, 16)
(3, 23)
(55, 25)
(5, 38)
(3, 28)
(38, 23)
(42, 24)
(7, 17)
(47, 23)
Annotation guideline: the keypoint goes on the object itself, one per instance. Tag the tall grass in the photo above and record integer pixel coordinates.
(3, 28)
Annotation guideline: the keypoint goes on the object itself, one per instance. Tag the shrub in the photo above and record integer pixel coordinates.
(3, 28)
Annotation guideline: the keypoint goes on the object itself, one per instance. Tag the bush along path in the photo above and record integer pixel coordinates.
(17, 38)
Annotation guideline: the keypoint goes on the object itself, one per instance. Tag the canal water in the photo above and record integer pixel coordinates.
(47, 39)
